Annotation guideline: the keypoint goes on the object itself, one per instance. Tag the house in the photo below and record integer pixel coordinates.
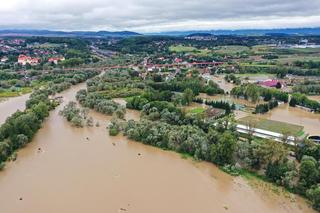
(178, 60)
(23, 60)
(270, 83)
(55, 60)
(4, 59)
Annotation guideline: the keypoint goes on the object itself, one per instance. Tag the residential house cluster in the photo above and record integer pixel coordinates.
(201, 37)
(24, 60)
(56, 60)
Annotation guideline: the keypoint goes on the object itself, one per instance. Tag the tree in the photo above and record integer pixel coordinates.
(89, 122)
(309, 173)
(222, 152)
(77, 121)
(314, 195)
(22, 140)
(41, 110)
(188, 96)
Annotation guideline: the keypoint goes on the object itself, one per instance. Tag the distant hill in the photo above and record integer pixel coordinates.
(289, 31)
(200, 34)
(49, 33)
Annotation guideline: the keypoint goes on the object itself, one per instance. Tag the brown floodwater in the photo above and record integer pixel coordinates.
(310, 121)
(67, 169)
(11, 105)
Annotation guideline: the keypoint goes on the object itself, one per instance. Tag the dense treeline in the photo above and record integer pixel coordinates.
(9, 75)
(20, 127)
(97, 102)
(303, 72)
(12, 81)
(253, 93)
(307, 64)
(300, 177)
(116, 83)
(189, 139)
(197, 85)
(217, 104)
(303, 100)
(263, 108)
(310, 89)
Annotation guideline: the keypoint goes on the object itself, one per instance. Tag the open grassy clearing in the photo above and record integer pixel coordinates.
(256, 65)
(291, 58)
(9, 93)
(232, 49)
(197, 110)
(188, 49)
(274, 126)
(181, 48)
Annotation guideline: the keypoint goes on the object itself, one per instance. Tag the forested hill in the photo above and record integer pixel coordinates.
(49, 33)
(287, 31)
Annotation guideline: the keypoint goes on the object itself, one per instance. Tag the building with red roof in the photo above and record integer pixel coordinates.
(55, 60)
(23, 60)
(270, 83)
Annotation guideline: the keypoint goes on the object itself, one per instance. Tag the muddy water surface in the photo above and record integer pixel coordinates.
(310, 121)
(11, 105)
(85, 170)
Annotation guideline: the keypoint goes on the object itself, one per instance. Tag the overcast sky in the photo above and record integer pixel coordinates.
(158, 15)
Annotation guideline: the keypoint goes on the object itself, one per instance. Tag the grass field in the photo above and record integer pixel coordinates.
(274, 126)
(256, 65)
(291, 58)
(181, 48)
(8, 93)
(228, 50)
(197, 110)
(232, 49)
(188, 49)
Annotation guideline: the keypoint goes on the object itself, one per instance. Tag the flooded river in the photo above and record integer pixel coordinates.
(86, 170)
(11, 105)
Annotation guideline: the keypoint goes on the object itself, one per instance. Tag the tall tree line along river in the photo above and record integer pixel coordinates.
(67, 169)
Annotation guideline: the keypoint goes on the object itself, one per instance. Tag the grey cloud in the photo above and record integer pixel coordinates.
(150, 15)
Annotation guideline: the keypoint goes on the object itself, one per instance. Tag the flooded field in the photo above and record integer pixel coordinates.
(66, 169)
(11, 105)
(284, 113)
